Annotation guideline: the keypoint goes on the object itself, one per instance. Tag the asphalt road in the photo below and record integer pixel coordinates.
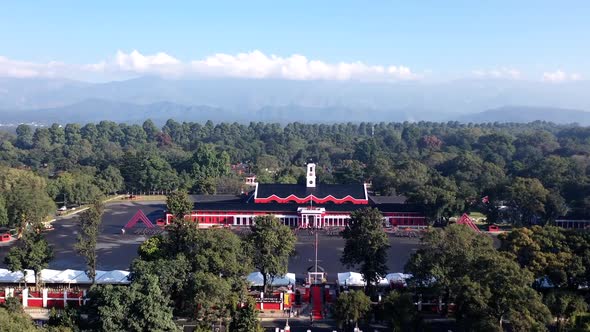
(116, 251)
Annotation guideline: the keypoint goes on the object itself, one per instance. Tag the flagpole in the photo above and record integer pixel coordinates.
(316, 253)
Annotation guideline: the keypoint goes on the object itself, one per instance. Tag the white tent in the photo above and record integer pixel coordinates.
(72, 277)
(354, 279)
(398, 278)
(15, 277)
(66, 277)
(256, 279)
(112, 277)
(48, 275)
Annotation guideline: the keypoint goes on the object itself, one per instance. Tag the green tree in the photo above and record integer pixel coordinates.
(32, 252)
(245, 317)
(148, 307)
(24, 136)
(179, 204)
(565, 306)
(366, 245)
(400, 312)
(271, 244)
(110, 180)
(446, 256)
(107, 308)
(350, 307)
(528, 196)
(90, 221)
(550, 252)
(11, 321)
(3, 212)
(486, 286)
(26, 198)
(140, 307)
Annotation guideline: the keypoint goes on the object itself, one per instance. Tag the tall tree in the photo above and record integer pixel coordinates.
(400, 312)
(179, 204)
(350, 307)
(90, 221)
(486, 286)
(366, 245)
(140, 307)
(3, 212)
(528, 196)
(565, 306)
(245, 317)
(16, 321)
(271, 244)
(32, 252)
(110, 180)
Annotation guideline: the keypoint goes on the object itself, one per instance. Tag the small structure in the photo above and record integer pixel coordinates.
(465, 220)
(5, 237)
(137, 217)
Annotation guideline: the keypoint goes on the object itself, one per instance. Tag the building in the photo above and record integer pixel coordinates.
(309, 205)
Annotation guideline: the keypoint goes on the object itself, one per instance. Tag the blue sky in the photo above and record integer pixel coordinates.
(433, 39)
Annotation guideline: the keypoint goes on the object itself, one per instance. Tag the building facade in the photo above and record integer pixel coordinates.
(309, 205)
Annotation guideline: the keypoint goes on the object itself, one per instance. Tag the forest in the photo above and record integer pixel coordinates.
(527, 173)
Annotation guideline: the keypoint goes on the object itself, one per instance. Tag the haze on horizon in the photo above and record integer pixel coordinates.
(424, 60)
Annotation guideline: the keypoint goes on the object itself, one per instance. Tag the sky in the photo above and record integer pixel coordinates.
(333, 40)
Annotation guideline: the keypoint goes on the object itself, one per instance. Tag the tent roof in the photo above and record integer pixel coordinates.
(256, 279)
(112, 277)
(15, 277)
(351, 279)
(69, 276)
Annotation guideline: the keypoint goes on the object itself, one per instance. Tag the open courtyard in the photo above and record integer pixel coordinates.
(117, 250)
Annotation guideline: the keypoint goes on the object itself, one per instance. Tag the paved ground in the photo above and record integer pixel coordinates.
(116, 251)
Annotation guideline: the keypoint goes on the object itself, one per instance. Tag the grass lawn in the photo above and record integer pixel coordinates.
(139, 198)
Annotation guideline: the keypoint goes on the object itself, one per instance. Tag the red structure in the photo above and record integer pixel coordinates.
(309, 205)
(137, 217)
(465, 220)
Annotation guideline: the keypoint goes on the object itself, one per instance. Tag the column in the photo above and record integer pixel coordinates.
(25, 297)
(44, 297)
(65, 298)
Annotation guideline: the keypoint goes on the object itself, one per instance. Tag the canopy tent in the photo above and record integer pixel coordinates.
(112, 277)
(354, 279)
(15, 277)
(398, 278)
(49, 276)
(256, 279)
(72, 277)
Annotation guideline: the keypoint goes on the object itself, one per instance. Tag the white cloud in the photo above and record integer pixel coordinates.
(504, 73)
(253, 64)
(560, 76)
(296, 67)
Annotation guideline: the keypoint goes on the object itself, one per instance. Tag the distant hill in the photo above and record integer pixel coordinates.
(453, 97)
(95, 110)
(245, 100)
(523, 114)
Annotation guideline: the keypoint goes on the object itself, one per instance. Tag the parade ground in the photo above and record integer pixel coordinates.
(117, 251)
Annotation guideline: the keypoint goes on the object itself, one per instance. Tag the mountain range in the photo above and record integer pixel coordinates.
(241, 100)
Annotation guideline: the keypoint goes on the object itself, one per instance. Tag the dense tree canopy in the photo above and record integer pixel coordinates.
(539, 170)
(486, 286)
